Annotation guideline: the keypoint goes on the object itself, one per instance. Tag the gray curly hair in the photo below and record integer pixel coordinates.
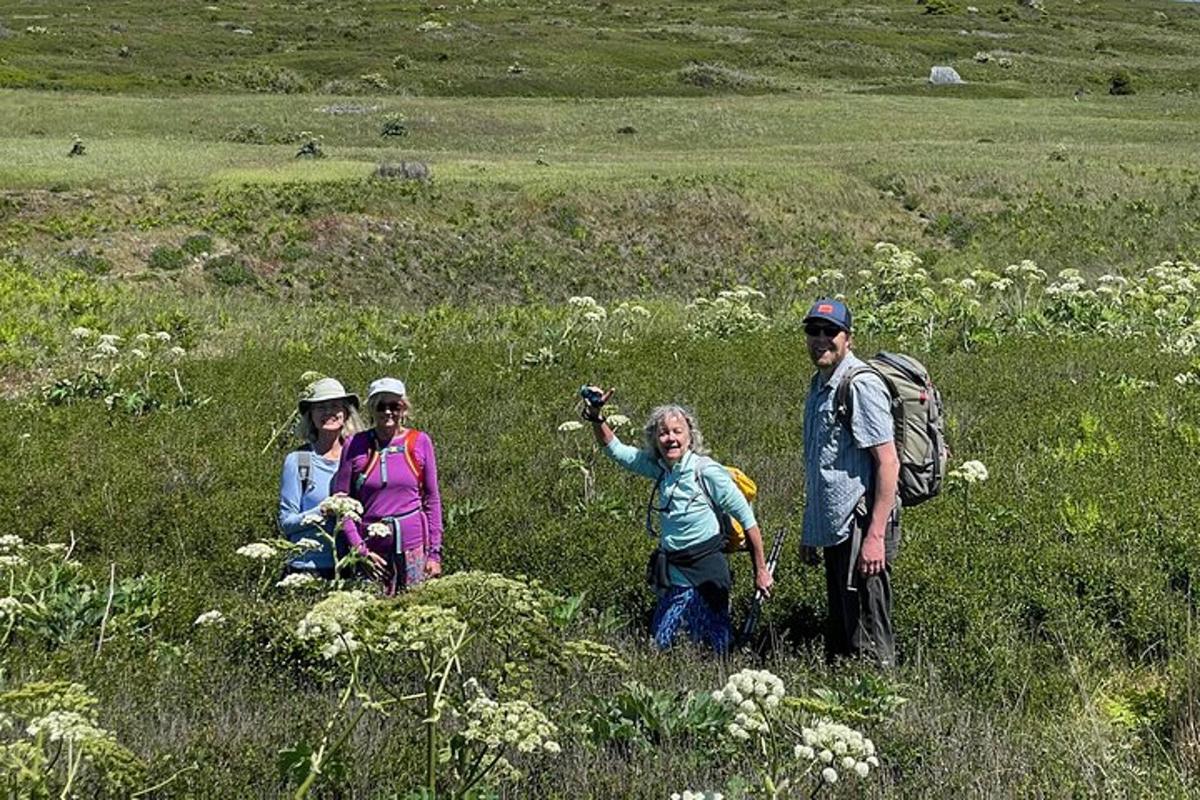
(659, 415)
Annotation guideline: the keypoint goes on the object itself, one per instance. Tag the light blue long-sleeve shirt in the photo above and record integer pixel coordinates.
(684, 514)
(295, 504)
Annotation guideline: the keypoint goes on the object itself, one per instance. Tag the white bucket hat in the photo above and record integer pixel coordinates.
(325, 389)
(386, 386)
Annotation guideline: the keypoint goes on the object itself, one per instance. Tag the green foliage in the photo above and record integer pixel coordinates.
(641, 717)
(168, 258)
(197, 244)
(51, 744)
(229, 270)
(49, 600)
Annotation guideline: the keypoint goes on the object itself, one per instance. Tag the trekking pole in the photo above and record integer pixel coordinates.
(756, 604)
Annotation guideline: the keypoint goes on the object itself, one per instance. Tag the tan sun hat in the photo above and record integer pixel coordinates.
(325, 389)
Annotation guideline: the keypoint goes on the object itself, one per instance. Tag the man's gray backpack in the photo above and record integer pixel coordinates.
(917, 415)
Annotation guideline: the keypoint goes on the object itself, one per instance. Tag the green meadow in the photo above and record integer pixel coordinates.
(602, 177)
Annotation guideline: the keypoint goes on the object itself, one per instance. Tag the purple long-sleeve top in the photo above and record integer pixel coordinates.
(400, 497)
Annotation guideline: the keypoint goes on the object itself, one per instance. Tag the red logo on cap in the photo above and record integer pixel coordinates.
(824, 308)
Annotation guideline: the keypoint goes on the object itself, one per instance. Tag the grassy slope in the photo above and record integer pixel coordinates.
(586, 49)
(539, 199)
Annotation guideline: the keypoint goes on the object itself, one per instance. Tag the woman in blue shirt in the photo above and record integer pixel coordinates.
(689, 571)
(328, 417)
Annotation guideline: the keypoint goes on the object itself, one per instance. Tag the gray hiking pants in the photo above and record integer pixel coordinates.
(860, 606)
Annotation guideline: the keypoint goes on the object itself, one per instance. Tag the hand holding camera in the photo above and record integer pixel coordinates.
(594, 399)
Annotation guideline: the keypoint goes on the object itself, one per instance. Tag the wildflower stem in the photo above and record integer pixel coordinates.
(112, 584)
(73, 762)
(319, 757)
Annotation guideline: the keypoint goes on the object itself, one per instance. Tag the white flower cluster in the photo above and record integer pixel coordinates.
(688, 795)
(11, 560)
(67, 726)
(969, 473)
(750, 694)
(1187, 379)
(424, 629)
(341, 505)
(257, 550)
(627, 309)
(332, 621)
(836, 746)
(10, 607)
(588, 310)
(729, 313)
(10, 541)
(296, 580)
(210, 619)
(306, 545)
(378, 530)
(513, 723)
(570, 426)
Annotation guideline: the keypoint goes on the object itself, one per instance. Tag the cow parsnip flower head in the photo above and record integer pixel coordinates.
(424, 629)
(969, 473)
(832, 746)
(378, 530)
(67, 726)
(331, 622)
(570, 426)
(342, 506)
(296, 580)
(257, 550)
(750, 694)
(10, 608)
(10, 541)
(210, 618)
(306, 545)
(11, 560)
(691, 795)
(514, 723)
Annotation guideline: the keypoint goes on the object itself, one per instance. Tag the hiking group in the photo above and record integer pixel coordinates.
(872, 442)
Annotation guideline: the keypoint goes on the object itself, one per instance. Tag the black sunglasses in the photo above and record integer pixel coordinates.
(394, 407)
(829, 331)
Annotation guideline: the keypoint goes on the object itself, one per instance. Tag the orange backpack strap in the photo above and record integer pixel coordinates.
(410, 455)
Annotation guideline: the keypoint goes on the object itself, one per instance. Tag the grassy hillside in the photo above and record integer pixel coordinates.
(581, 49)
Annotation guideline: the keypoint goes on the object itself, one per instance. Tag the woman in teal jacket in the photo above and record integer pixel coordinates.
(690, 571)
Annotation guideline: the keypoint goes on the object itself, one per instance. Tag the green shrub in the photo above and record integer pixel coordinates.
(167, 258)
(228, 270)
(248, 133)
(196, 244)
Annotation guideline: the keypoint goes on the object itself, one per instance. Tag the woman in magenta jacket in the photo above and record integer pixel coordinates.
(391, 469)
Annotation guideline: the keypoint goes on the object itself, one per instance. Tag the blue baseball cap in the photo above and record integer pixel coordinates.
(829, 310)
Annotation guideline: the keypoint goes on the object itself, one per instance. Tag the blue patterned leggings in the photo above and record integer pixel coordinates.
(684, 606)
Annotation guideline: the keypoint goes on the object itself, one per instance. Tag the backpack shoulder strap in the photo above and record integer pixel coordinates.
(703, 464)
(650, 504)
(843, 398)
(410, 455)
(304, 469)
